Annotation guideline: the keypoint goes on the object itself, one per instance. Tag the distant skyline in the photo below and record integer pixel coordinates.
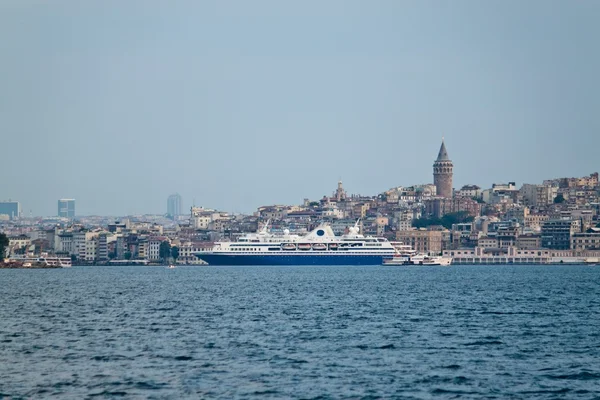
(241, 104)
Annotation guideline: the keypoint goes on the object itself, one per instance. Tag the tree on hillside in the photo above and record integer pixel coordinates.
(164, 251)
(446, 221)
(559, 199)
(456, 218)
(424, 222)
(175, 253)
(3, 244)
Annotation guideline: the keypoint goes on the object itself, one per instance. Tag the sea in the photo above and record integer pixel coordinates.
(389, 332)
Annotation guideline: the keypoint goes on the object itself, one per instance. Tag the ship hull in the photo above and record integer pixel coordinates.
(296, 259)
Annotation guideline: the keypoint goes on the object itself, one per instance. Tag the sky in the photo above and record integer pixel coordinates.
(238, 104)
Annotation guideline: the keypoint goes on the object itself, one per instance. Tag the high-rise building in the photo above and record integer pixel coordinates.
(10, 208)
(174, 205)
(442, 173)
(66, 208)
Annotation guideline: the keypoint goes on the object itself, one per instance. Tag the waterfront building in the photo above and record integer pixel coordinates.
(66, 208)
(121, 246)
(529, 242)
(556, 234)
(79, 240)
(91, 249)
(102, 247)
(487, 242)
(589, 240)
(18, 243)
(188, 250)
(507, 235)
(422, 240)
(63, 242)
(153, 252)
(462, 235)
(10, 208)
(496, 255)
(142, 249)
(443, 173)
(174, 208)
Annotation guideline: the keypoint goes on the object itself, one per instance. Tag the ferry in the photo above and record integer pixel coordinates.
(64, 262)
(318, 247)
(403, 255)
(424, 259)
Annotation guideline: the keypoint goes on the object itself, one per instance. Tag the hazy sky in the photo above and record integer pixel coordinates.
(238, 104)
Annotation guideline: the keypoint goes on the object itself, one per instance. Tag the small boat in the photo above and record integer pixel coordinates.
(319, 246)
(333, 246)
(288, 246)
(437, 260)
(397, 260)
(171, 266)
(304, 246)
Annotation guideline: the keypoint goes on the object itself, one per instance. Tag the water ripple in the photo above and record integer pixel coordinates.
(310, 333)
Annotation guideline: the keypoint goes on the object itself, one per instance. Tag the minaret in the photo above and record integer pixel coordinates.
(442, 173)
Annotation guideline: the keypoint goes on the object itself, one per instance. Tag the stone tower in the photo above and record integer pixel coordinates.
(442, 173)
(340, 193)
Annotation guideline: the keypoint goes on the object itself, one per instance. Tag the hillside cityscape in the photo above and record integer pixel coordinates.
(556, 219)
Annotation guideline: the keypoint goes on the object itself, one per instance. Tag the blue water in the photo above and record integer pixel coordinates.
(301, 332)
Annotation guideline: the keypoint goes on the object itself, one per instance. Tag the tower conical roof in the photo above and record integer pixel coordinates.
(443, 154)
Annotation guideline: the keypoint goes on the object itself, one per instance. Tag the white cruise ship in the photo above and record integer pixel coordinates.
(319, 247)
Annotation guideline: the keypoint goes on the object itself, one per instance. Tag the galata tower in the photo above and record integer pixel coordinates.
(442, 173)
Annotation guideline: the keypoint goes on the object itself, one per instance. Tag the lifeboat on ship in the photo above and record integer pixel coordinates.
(319, 246)
(304, 246)
(333, 246)
(288, 246)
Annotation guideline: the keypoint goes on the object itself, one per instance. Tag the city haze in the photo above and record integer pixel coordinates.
(237, 104)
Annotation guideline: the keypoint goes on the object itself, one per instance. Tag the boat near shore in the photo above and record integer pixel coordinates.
(319, 247)
(39, 262)
(419, 259)
(424, 259)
